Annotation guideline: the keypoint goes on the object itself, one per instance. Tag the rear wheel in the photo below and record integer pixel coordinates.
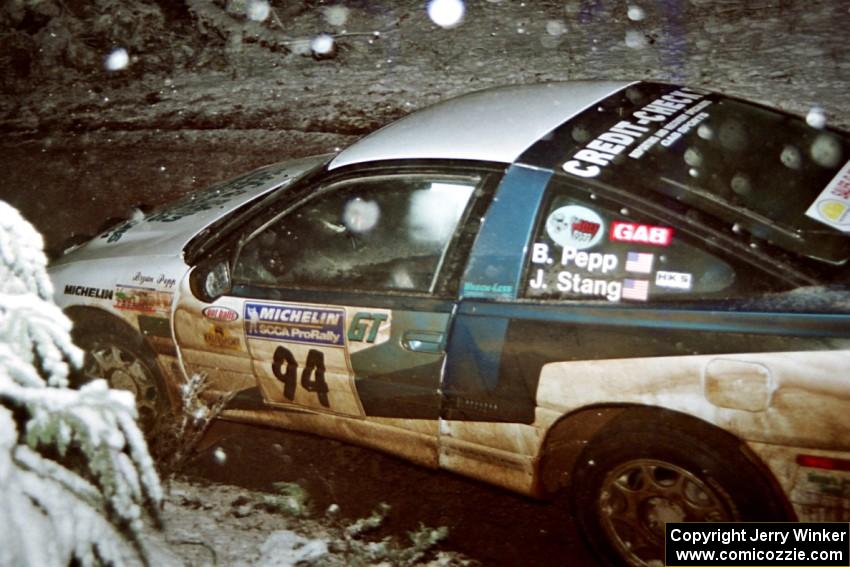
(639, 474)
(119, 355)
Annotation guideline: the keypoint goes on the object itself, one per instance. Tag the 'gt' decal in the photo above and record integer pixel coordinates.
(365, 321)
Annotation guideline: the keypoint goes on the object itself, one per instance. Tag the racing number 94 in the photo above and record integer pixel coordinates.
(285, 369)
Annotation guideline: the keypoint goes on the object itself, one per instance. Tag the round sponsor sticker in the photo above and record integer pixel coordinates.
(836, 211)
(574, 226)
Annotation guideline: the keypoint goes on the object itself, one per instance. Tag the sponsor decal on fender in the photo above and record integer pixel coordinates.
(142, 299)
(161, 280)
(83, 291)
(223, 314)
(295, 323)
(218, 337)
(641, 233)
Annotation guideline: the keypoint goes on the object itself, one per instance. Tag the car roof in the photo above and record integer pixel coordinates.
(494, 125)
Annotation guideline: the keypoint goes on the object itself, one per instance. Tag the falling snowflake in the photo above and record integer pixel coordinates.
(705, 132)
(791, 157)
(741, 184)
(446, 13)
(336, 15)
(826, 151)
(636, 13)
(360, 215)
(322, 44)
(693, 157)
(118, 59)
(816, 118)
(258, 10)
(635, 39)
(556, 28)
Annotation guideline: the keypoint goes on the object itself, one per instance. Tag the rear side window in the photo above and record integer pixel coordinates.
(767, 171)
(589, 248)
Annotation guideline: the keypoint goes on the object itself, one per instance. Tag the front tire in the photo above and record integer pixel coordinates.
(120, 356)
(642, 472)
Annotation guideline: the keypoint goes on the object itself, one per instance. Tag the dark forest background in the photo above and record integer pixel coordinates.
(208, 92)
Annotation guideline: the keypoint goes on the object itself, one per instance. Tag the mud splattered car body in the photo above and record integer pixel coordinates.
(633, 291)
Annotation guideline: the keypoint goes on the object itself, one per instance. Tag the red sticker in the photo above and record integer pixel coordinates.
(641, 233)
(214, 313)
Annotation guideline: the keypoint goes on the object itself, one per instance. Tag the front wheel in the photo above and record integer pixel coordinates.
(120, 357)
(641, 473)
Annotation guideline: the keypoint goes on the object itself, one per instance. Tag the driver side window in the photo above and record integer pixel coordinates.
(387, 233)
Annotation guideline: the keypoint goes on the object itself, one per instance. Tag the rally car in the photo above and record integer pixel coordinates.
(630, 294)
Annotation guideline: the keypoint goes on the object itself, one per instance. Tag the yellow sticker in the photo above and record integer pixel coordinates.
(832, 206)
(218, 337)
(833, 210)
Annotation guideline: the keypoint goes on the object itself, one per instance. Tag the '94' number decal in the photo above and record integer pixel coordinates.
(285, 369)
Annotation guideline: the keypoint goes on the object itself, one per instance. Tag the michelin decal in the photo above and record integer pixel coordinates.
(295, 323)
(86, 291)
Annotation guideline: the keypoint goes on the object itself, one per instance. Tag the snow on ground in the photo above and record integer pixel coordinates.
(216, 524)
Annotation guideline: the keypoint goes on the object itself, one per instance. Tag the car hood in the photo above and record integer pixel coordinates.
(166, 231)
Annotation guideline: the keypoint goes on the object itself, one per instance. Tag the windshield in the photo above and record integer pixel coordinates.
(766, 172)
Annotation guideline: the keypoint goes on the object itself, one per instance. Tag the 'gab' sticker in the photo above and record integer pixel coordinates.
(641, 233)
(832, 206)
(575, 226)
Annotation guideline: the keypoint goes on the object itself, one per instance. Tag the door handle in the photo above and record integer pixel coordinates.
(423, 341)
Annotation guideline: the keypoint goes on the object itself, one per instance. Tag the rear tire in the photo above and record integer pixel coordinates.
(119, 355)
(641, 472)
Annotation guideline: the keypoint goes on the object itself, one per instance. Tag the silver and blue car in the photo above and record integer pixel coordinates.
(633, 295)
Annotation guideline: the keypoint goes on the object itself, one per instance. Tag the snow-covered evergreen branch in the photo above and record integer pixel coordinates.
(49, 513)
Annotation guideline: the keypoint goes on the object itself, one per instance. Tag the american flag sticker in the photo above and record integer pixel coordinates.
(636, 289)
(639, 262)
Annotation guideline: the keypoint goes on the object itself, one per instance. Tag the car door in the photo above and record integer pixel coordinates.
(339, 308)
